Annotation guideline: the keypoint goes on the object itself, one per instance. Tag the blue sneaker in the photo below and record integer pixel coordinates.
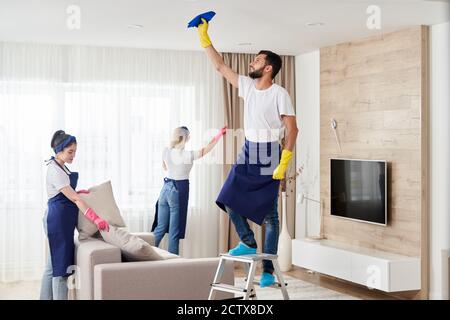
(266, 280)
(241, 249)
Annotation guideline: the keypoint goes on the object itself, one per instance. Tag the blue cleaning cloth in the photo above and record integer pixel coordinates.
(198, 19)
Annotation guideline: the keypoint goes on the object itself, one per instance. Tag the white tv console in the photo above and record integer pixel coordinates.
(372, 268)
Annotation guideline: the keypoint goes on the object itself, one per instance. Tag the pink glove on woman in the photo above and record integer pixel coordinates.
(99, 222)
(221, 133)
(83, 192)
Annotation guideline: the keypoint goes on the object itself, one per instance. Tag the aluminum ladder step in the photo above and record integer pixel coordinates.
(228, 288)
(250, 261)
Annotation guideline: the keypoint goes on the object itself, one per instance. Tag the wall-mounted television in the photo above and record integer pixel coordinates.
(358, 190)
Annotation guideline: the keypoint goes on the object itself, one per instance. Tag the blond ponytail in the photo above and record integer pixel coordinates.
(179, 137)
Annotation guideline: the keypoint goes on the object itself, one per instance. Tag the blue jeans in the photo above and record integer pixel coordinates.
(52, 288)
(168, 216)
(248, 237)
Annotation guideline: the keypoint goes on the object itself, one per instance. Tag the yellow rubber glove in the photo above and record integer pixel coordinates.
(279, 172)
(205, 41)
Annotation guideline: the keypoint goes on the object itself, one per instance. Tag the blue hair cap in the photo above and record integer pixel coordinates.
(68, 141)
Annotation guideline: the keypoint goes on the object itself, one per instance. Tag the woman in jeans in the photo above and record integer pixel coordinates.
(61, 217)
(171, 208)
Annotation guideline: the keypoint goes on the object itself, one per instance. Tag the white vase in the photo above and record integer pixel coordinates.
(284, 240)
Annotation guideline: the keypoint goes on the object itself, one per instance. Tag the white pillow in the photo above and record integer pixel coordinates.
(133, 248)
(101, 200)
(166, 255)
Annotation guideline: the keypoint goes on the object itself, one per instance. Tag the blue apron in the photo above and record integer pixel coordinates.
(183, 198)
(61, 222)
(250, 189)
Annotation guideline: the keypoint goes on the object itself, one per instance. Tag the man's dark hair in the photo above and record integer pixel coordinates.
(274, 60)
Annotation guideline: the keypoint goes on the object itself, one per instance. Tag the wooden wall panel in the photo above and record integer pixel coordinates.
(376, 89)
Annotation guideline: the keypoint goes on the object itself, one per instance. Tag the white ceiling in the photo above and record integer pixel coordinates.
(278, 25)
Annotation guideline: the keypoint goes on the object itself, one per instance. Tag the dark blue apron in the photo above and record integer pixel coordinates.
(61, 222)
(183, 197)
(250, 189)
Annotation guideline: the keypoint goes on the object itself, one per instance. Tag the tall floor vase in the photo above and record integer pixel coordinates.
(285, 240)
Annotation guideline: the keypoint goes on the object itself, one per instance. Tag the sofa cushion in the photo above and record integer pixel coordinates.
(101, 200)
(132, 247)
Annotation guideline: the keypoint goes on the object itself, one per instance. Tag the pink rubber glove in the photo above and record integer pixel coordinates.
(99, 222)
(221, 133)
(83, 191)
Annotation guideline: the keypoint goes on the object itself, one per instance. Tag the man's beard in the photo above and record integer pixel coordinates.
(256, 74)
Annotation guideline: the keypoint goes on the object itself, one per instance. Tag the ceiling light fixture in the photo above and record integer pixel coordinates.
(245, 44)
(135, 26)
(315, 24)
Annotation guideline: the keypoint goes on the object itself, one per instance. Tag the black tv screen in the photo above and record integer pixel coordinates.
(358, 190)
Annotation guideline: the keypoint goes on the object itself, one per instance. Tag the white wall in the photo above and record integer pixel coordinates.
(439, 160)
(307, 78)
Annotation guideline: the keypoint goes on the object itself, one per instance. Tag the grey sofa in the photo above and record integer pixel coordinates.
(101, 275)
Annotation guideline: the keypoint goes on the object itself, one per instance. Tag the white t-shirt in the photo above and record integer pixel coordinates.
(56, 179)
(179, 162)
(263, 110)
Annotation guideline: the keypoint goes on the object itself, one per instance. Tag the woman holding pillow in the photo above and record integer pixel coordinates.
(62, 215)
(171, 208)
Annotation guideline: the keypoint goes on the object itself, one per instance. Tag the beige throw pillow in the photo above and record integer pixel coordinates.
(133, 248)
(101, 200)
(166, 255)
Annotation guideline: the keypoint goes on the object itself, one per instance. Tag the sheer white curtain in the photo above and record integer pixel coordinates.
(121, 104)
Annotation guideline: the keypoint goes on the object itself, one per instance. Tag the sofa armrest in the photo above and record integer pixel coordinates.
(146, 236)
(173, 279)
(88, 254)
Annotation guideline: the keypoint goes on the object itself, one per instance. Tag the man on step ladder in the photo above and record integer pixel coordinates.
(251, 189)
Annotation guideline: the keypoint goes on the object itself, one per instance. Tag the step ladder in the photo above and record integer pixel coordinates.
(248, 291)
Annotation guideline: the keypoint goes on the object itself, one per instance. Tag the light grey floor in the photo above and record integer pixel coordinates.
(28, 290)
(297, 289)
